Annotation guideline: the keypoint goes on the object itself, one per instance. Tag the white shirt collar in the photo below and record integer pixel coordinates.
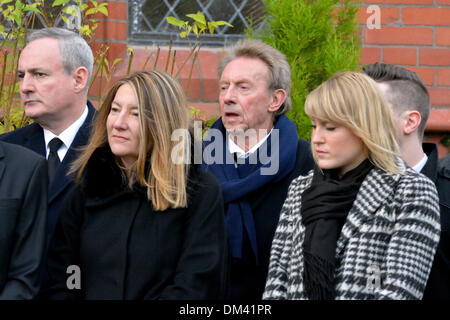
(419, 166)
(66, 136)
(234, 148)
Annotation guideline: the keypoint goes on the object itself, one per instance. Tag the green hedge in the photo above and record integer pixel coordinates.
(318, 37)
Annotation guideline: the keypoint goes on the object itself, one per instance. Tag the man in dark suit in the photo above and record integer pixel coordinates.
(260, 156)
(54, 71)
(23, 221)
(409, 100)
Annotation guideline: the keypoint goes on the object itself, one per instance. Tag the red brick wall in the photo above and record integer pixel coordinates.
(113, 29)
(414, 34)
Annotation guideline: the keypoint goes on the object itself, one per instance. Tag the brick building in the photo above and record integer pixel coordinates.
(414, 34)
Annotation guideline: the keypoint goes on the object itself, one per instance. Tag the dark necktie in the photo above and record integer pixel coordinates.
(53, 159)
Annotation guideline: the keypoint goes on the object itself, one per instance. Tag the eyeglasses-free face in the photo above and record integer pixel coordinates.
(336, 147)
(122, 125)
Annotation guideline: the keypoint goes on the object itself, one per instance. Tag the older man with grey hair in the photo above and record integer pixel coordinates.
(256, 155)
(54, 71)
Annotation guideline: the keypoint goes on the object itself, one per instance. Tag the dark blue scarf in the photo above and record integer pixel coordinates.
(238, 183)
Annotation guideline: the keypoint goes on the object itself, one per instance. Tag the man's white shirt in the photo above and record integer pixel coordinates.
(240, 153)
(419, 166)
(67, 136)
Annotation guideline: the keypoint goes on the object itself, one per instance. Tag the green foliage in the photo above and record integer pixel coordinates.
(16, 15)
(86, 12)
(319, 38)
(199, 25)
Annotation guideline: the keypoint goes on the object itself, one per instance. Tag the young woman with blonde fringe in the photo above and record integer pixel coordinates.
(361, 225)
(140, 225)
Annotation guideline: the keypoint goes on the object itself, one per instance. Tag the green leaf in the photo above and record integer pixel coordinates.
(116, 61)
(183, 34)
(85, 30)
(68, 10)
(175, 22)
(17, 18)
(90, 11)
(19, 5)
(221, 23)
(6, 13)
(202, 29)
(198, 17)
(103, 10)
(36, 10)
(195, 29)
(5, 1)
(59, 2)
(211, 28)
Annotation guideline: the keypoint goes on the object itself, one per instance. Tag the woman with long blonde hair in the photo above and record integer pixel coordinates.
(140, 224)
(361, 225)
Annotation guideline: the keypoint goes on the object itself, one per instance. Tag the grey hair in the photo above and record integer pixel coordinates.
(279, 69)
(75, 52)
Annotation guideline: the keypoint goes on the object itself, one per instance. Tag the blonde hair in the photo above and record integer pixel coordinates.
(162, 109)
(353, 100)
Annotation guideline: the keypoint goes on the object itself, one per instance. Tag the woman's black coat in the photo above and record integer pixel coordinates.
(127, 250)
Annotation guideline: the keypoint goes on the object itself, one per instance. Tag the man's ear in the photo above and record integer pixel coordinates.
(278, 98)
(411, 120)
(80, 79)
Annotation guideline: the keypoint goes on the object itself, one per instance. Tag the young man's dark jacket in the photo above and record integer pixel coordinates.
(438, 285)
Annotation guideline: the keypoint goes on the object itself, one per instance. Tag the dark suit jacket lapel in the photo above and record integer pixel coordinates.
(62, 180)
(34, 139)
(374, 191)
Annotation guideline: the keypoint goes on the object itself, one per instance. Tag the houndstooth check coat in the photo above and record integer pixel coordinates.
(386, 246)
